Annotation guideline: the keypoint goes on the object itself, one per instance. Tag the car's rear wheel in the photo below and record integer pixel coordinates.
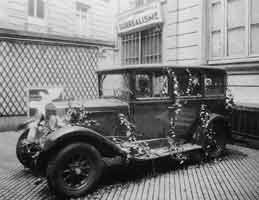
(21, 152)
(74, 170)
(216, 144)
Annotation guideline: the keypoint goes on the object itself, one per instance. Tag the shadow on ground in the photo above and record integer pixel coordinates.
(120, 176)
(116, 177)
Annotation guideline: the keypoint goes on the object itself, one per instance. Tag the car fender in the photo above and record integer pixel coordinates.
(70, 134)
(213, 117)
(25, 125)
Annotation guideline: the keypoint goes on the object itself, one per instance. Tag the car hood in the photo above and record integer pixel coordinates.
(91, 105)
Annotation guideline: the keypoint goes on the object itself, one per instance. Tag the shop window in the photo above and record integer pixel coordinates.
(143, 47)
(151, 85)
(36, 8)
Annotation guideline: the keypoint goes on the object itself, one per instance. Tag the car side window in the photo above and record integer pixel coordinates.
(160, 85)
(189, 83)
(151, 85)
(143, 86)
(214, 84)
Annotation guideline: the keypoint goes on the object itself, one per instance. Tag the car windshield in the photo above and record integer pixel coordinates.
(115, 85)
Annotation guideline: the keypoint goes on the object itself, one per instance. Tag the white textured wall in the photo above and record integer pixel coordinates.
(245, 94)
(60, 18)
(182, 32)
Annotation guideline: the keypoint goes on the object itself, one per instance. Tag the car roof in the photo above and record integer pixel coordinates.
(147, 67)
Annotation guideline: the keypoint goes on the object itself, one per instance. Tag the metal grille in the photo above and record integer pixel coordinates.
(130, 49)
(28, 63)
(143, 47)
(151, 42)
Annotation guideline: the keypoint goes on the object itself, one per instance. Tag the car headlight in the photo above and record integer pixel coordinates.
(53, 122)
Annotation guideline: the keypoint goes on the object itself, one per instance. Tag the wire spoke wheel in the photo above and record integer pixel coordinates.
(75, 170)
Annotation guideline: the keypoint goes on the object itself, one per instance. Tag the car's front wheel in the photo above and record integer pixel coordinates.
(74, 170)
(22, 152)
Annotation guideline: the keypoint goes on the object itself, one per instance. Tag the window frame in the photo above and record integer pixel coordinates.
(219, 74)
(151, 75)
(155, 33)
(224, 58)
(35, 9)
(101, 78)
(192, 96)
(79, 6)
(35, 19)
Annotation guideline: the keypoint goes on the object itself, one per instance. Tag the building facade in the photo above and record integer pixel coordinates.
(195, 32)
(52, 44)
(93, 19)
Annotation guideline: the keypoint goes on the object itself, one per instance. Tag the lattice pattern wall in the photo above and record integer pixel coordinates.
(31, 63)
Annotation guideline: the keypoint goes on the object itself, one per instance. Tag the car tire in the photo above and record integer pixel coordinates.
(217, 148)
(23, 157)
(74, 170)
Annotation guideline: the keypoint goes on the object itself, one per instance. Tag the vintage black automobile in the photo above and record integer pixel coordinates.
(142, 113)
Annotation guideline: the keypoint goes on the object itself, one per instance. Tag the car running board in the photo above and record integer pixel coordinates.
(159, 152)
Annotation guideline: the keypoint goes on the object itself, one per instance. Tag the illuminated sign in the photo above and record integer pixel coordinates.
(145, 16)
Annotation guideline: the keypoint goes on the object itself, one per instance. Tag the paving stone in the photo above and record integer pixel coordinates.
(234, 177)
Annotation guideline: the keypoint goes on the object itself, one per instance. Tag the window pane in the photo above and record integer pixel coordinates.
(255, 11)
(255, 27)
(255, 39)
(130, 48)
(236, 27)
(216, 15)
(236, 41)
(189, 83)
(151, 45)
(214, 84)
(151, 40)
(115, 85)
(236, 15)
(216, 44)
(31, 8)
(40, 9)
(216, 29)
(160, 85)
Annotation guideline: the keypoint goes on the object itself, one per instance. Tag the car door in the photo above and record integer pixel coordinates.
(150, 104)
(188, 93)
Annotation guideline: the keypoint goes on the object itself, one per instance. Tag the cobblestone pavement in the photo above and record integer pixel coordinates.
(234, 177)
